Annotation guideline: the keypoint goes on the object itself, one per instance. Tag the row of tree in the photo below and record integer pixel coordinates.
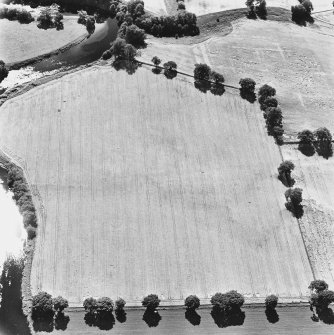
(22, 196)
(16, 14)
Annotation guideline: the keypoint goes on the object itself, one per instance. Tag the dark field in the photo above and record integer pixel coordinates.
(292, 320)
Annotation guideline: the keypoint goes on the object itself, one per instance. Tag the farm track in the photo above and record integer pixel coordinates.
(130, 185)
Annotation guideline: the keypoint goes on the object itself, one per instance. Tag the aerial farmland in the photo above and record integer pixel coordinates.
(142, 178)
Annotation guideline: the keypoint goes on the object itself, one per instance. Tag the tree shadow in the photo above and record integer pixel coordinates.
(44, 324)
(152, 318)
(156, 70)
(296, 210)
(129, 66)
(106, 322)
(89, 319)
(170, 74)
(324, 150)
(306, 149)
(202, 85)
(217, 89)
(326, 315)
(121, 316)
(286, 180)
(193, 317)
(61, 321)
(272, 315)
(246, 95)
(235, 317)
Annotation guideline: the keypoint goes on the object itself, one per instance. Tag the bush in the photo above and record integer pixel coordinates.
(42, 305)
(202, 72)
(323, 135)
(151, 302)
(305, 137)
(318, 285)
(271, 301)
(120, 304)
(106, 55)
(192, 302)
(3, 71)
(227, 301)
(247, 85)
(59, 304)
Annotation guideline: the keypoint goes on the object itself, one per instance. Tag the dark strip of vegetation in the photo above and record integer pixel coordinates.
(16, 14)
(3, 71)
(22, 196)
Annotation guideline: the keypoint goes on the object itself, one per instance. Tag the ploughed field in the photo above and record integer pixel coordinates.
(146, 185)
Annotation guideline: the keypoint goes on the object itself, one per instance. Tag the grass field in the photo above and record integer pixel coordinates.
(315, 175)
(152, 188)
(23, 41)
(296, 60)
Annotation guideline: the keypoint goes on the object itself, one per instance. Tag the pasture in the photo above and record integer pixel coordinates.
(296, 60)
(146, 185)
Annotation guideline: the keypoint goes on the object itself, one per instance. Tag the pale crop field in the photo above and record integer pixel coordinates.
(146, 185)
(297, 61)
(315, 175)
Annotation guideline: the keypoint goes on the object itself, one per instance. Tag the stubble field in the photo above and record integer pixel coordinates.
(146, 185)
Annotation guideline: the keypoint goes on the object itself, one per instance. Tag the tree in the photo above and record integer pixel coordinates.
(90, 24)
(181, 5)
(306, 137)
(247, 85)
(273, 116)
(268, 102)
(170, 66)
(227, 301)
(59, 304)
(130, 52)
(135, 35)
(45, 18)
(156, 61)
(151, 302)
(202, 72)
(261, 8)
(104, 307)
(323, 135)
(271, 301)
(90, 305)
(217, 77)
(294, 196)
(318, 285)
(82, 17)
(119, 47)
(106, 55)
(31, 232)
(299, 14)
(42, 305)
(322, 299)
(266, 91)
(284, 170)
(192, 302)
(120, 303)
(307, 4)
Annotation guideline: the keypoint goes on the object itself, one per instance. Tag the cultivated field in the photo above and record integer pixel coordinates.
(315, 175)
(297, 61)
(152, 187)
(19, 42)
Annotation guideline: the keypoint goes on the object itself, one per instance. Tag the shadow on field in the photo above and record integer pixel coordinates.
(272, 315)
(152, 318)
(61, 321)
(156, 70)
(224, 319)
(121, 316)
(170, 74)
(129, 66)
(205, 86)
(193, 317)
(297, 210)
(324, 150)
(306, 149)
(103, 323)
(44, 324)
(326, 316)
(249, 96)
